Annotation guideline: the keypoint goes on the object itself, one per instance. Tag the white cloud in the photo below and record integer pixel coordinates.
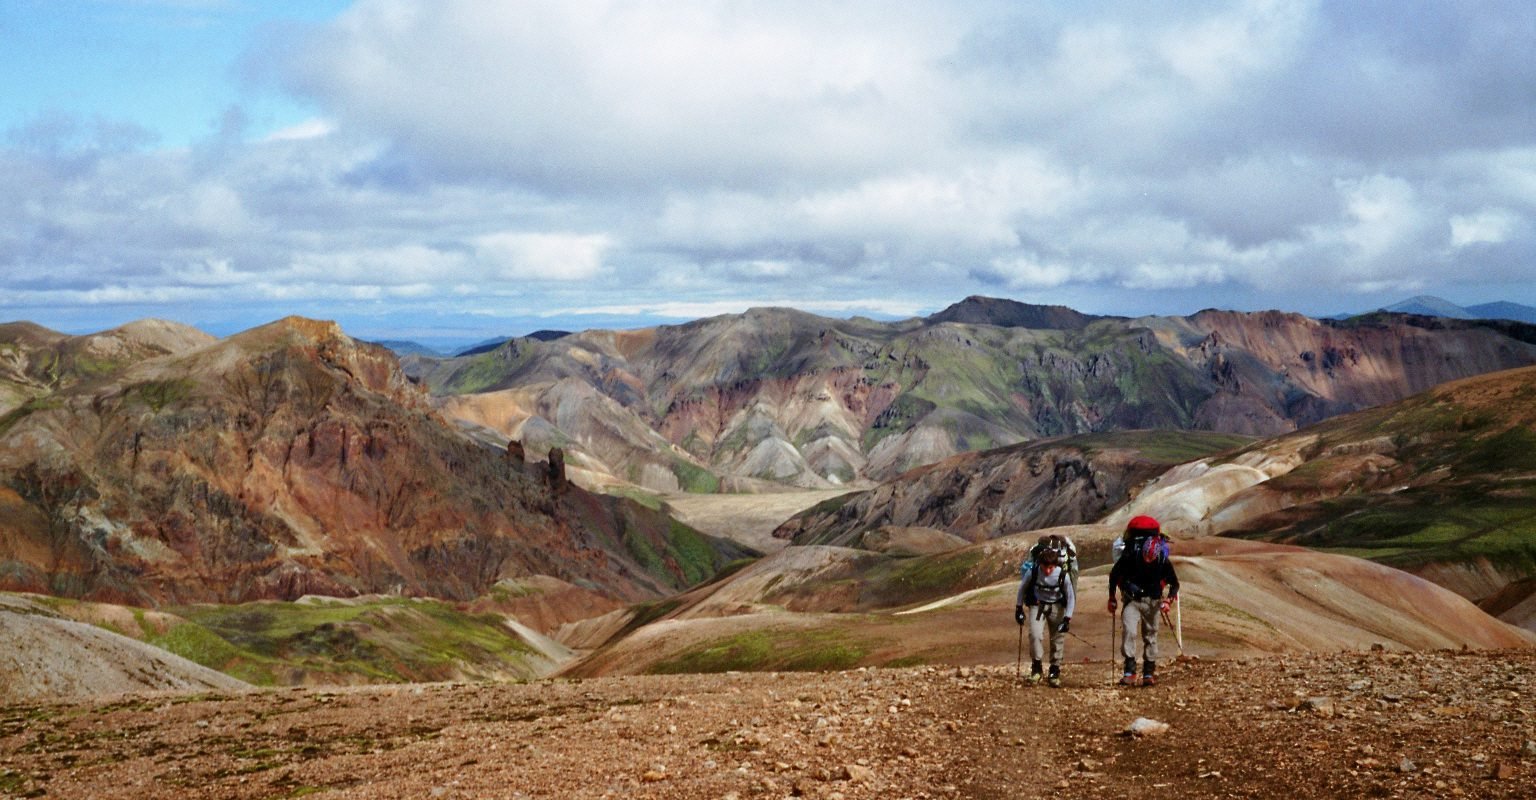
(580, 93)
(686, 158)
(1384, 215)
(1029, 272)
(1488, 226)
(698, 310)
(1216, 52)
(308, 129)
(377, 267)
(542, 256)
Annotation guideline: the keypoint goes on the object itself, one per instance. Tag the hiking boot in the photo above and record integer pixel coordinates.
(1129, 679)
(1034, 678)
(1148, 680)
(1055, 679)
(1034, 672)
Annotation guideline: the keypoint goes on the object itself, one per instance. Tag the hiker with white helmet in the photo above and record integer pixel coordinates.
(1142, 572)
(1046, 589)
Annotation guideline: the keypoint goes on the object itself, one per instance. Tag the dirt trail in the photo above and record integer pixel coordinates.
(1439, 724)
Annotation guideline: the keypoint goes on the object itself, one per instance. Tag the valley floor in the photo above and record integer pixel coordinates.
(1440, 724)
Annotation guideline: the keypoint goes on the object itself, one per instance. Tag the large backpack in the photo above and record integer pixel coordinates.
(1144, 537)
(1068, 558)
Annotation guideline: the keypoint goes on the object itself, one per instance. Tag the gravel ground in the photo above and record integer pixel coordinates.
(1440, 724)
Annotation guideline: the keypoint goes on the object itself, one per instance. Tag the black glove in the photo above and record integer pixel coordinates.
(1018, 614)
(1065, 625)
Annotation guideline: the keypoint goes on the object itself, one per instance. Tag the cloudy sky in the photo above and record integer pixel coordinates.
(447, 170)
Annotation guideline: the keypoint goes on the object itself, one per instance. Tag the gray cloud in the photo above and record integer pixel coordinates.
(483, 158)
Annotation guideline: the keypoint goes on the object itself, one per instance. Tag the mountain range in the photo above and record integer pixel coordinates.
(779, 396)
(1431, 306)
(302, 506)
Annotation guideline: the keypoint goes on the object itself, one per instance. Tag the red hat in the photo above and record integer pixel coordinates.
(1142, 523)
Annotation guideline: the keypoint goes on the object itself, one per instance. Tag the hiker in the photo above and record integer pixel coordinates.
(1141, 573)
(1047, 590)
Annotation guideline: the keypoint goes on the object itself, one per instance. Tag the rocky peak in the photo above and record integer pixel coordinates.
(978, 310)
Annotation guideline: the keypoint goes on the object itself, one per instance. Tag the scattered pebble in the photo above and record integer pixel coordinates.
(1142, 726)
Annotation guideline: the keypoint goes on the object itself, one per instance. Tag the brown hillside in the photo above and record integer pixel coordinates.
(821, 607)
(292, 460)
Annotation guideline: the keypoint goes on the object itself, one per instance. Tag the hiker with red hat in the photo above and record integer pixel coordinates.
(1142, 573)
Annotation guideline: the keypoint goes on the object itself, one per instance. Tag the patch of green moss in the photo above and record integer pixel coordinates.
(487, 371)
(1444, 523)
(1164, 446)
(85, 366)
(197, 643)
(695, 479)
(694, 556)
(644, 553)
(898, 417)
(1513, 450)
(159, 395)
(922, 577)
(25, 410)
(14, 784)
(778, 650)
(648, 499)
(146, 630)
(1233, 612)
(732, 567)
(387, 640)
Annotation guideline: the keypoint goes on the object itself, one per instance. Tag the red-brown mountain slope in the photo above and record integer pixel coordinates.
(292, 460)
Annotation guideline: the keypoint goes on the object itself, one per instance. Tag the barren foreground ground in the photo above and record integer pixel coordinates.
(1366, 724)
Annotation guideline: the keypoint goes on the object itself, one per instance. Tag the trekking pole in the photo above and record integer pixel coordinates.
(1113, 618)
(1178, 625)
(1018, 665)
(1074, 635)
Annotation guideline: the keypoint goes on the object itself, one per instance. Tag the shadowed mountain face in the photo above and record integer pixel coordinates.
(981, 496)
(782, 396)
(290, 460)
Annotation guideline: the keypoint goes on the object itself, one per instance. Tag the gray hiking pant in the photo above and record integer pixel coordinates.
(1043, 621)
(1140, 618)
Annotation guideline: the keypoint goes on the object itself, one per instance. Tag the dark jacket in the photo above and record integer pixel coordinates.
(1138, 579)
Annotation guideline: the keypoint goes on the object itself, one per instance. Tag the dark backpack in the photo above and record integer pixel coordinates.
(1149, 546)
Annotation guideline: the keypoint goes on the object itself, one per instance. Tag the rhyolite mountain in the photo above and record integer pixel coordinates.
(783, 396)
(155, 465)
